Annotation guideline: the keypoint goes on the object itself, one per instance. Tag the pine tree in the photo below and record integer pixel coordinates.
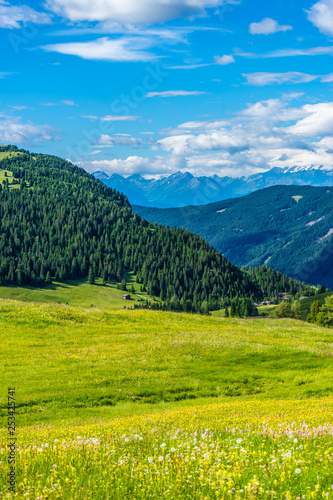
(315, 310)
(204, 307)
(91, 277)
(295, 309)
(19, 277)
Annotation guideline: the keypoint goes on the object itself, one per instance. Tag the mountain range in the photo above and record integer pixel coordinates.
(289, 228)
(182, 189)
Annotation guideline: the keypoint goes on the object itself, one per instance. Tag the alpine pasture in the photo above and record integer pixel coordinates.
(149, 404)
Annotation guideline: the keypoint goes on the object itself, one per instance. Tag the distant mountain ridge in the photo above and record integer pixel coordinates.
(183, 189)
(289, 228)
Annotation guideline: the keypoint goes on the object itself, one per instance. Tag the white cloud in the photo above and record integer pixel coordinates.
(189, 66)
(120, 140)
(113, 118)
(18, 108)
(130, 11)
(14, 131)
(12, 17)
(4, 75)
(321, 15)
(125, 49)
(119, 118)
(327, 78)
(67, 102)
(311, 51)
(185, 144)
(95, 152)
(174, 93)
(265, 78)
(222, 60)
(267, 27)
(135, 165)
(319, 121)
(226, 59)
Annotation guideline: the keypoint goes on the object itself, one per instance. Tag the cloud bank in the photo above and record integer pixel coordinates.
(266, 134)
(130, 11)
(13, 16)
(321, 15)
(14, 131)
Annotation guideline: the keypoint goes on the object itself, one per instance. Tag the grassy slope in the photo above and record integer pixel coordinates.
(9, 176)
(306, 303)
(8, 154)
(72, 363)
(75, 293)
(3, 155)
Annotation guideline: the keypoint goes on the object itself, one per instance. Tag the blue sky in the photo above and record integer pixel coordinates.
(156, 86)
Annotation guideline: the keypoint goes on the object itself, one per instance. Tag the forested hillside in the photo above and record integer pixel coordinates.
(61, 223)
(288, 228)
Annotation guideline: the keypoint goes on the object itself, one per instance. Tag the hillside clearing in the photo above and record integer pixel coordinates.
(76, 293)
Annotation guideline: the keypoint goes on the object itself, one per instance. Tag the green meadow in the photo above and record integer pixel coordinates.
(5, 174)
(306, 303)
(8, 154)
(73, 363)
(77, 293)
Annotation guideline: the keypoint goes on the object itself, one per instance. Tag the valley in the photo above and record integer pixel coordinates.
(287, 228)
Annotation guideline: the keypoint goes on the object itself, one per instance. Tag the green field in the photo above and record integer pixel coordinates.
(71, 362)
(77, 293)
(119, 404)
